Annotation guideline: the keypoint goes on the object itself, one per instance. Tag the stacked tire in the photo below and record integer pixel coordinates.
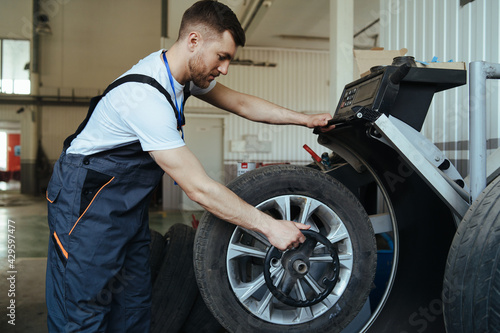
(471, 290)
(177, 305)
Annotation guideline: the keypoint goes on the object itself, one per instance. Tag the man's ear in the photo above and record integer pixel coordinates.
(194, 40)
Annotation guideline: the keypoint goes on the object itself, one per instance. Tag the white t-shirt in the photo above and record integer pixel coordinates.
(136, 111)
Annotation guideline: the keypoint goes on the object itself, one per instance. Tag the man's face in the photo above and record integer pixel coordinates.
(212, 59)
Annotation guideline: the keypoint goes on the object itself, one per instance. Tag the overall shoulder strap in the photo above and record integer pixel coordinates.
(124, 79)
(143, 79)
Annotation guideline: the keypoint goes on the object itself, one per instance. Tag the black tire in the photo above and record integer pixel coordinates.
(471, 290)
(156, 248)
(299, 185)
(175, 289)
(201, 320)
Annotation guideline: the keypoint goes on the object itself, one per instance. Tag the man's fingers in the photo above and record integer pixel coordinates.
(302, 226)
(326, 128)
(319, 120)
(287, 236)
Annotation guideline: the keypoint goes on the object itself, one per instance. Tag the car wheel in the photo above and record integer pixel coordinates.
(230, 262)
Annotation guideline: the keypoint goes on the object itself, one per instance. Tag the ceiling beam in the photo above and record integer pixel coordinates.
(254, 15)
(44, 100)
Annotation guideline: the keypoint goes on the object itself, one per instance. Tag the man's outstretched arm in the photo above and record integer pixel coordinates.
(187, 171)
(260, 110)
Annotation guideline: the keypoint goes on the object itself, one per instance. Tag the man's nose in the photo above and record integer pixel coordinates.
(224, 67)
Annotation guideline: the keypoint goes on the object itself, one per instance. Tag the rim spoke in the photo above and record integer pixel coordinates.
(305, 313)
(306, 211)
(300, 292)
(260, 237)
(238, 250)
(245, 290)
(278, 273)
(284, 204)
(340, 234)
(265, 305)
(321, 258)
(326, 258)
(345, 261)
(335, 237)
(313, 283)
(330, 300)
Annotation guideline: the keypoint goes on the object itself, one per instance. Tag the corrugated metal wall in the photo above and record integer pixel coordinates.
(299, 81)
(444, 29)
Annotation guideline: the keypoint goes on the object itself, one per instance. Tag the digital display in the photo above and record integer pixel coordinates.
(366, 91)
(359, 93)
(362, 94)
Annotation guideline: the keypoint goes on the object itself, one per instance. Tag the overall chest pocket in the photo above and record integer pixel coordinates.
(52, 192)
(52, 195)
(94, 183)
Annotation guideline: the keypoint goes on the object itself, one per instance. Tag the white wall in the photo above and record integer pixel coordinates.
(95, 41)
(442, 28)
(16, 19)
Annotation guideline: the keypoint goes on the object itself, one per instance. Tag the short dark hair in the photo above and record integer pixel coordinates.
(214, 16)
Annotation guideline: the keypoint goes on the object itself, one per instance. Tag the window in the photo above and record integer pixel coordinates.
(14, 69)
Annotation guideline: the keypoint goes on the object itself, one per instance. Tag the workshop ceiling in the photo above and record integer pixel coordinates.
(302, 24)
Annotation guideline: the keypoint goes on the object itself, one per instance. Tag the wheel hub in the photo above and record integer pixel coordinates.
(296, 265)
(300, 267)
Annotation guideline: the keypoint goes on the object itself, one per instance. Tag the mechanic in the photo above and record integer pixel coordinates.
(98, 275)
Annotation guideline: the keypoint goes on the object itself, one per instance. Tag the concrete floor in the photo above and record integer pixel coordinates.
(29, 217)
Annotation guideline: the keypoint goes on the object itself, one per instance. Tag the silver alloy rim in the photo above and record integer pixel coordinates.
(247, 250)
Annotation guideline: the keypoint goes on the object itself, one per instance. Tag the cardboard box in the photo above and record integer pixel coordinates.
(366, 59)
(444, 65)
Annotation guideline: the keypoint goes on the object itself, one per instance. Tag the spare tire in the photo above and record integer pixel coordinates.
(230, 261)
(156, 248)
(201, 320)
(471, 290)
(175, 289)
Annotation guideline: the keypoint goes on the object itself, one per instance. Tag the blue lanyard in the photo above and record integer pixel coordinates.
(179, 110)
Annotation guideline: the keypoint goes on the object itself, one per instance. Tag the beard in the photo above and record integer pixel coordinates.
(199, 72)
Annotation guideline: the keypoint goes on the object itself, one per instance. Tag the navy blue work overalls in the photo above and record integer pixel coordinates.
(98, 274)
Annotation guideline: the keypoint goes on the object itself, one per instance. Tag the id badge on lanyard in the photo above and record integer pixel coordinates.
(180, 110)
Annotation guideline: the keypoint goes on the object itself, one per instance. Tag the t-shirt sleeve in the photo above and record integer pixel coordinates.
(150, 117)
